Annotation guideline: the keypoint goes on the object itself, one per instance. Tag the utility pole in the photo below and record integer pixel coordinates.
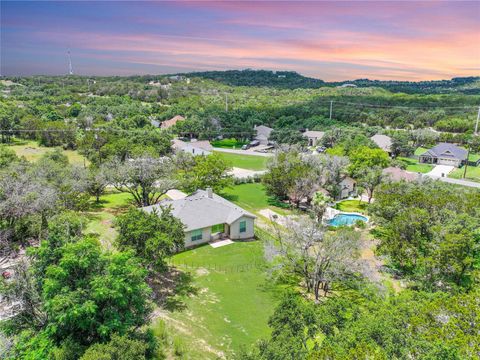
(478, 119)
(331, 109)
(466, 162)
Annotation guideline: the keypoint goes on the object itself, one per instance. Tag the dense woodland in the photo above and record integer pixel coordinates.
(81, 299)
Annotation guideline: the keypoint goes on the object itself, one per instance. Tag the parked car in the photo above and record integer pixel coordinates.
(246, 147)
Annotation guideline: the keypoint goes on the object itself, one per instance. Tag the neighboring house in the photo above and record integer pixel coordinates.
(397, 174)
(169, 123)
(193, 147)
(384, 142)
(313, 136)
(208, 217)
(347, 187)
(444, 154)
(262, 134)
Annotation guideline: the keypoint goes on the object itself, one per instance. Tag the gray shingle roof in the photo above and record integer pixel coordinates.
(263, 131)
(198, 211)
(384, 142)
(314, 134)
(446, 150)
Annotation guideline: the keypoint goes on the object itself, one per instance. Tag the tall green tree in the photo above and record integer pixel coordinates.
(153, 236)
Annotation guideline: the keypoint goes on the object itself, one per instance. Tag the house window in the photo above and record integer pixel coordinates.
(196, 235)
(217, 228)
(243, 226)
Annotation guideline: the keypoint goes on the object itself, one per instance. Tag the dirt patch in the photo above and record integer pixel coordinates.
(183, 329)
(202, 272)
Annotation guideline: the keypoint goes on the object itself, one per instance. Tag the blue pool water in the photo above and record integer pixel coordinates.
(346, 219)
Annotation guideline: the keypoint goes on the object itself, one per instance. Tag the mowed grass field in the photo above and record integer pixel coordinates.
(252, 197)
(32, 152)
(232, 303)
(352, 206)
(250, 162)
(473, 173)
(414, 166)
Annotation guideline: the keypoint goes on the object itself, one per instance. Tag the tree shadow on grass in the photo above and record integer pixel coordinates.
(171, 287)
(230, 197)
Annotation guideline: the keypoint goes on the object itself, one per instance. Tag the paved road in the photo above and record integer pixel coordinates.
(440, 172)
(242, 152)
(456, 181)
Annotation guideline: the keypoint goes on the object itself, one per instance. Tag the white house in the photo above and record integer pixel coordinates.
(208, 217)
(313, 136)
(347, 187)
(193, 147)
(262, 134)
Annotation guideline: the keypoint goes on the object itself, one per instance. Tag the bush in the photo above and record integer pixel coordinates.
(179, 346)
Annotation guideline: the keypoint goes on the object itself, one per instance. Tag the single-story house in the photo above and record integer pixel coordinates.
(208, 217)
(262, 134)
(313, 136)
(444, 154)
(397, 174)
(193, 147)
(169, 123)
(384, 142)
(347, 187)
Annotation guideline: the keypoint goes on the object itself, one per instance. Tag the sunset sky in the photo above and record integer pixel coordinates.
(328, 40)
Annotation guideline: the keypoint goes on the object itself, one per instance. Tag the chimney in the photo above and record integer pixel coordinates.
(210, 193)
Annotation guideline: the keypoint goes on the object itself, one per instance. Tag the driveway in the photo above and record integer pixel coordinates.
(440, 171)
(460, 182)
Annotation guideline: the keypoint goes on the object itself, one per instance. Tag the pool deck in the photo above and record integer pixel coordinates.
(330, 213)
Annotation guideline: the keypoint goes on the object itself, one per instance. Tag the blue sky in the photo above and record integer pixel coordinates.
(328, 40)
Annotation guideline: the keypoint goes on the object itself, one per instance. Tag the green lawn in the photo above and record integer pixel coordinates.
(352, 206)
(473, 173)
(414, 166)
(419, 151)
(102, 215)
(473, 157)
(233, 299)
(250, 162)
(32, 152)
(252, 197)
(229, 143)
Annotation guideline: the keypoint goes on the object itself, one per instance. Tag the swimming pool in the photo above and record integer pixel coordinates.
(346, 219)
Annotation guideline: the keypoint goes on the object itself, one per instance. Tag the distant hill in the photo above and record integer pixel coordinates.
(277, 79)
(293, 80)
(465, 85)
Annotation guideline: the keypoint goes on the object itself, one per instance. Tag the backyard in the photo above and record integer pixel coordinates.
(101, 215)
(250, 162)
(414, 166)
(232, 303)
(252, 197)
(356, 206)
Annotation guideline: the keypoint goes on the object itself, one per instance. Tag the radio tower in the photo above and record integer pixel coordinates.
(70, 67)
